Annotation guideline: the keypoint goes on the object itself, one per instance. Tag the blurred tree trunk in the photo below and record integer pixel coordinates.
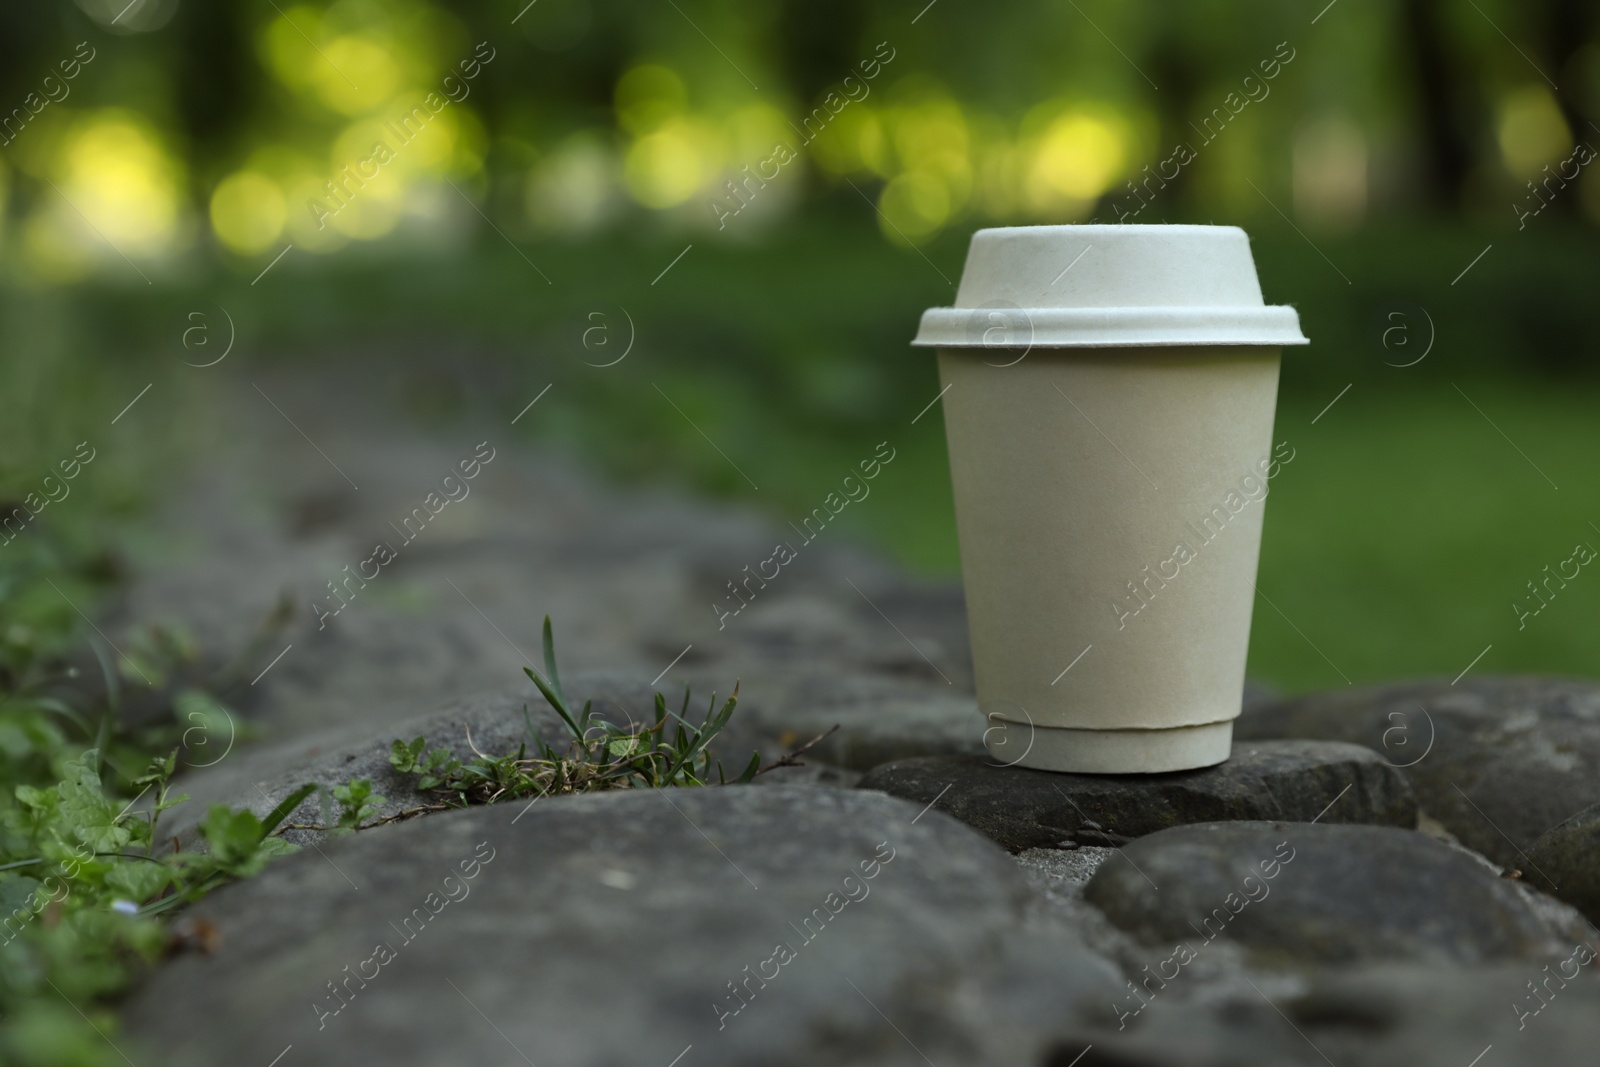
(216, 73)
(31, 43)
(820, 41)
(1441, 101)
(1171, 63)
(1568, 26)
(1173, 67)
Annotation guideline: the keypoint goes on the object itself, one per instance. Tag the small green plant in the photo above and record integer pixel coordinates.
(670, 751)
(83, 889)
(357, 803)
(432, 770)
(240, 843)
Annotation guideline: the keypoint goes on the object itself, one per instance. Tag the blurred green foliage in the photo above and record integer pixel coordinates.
(143, 134)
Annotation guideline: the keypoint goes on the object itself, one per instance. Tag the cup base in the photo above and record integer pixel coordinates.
(1181, 748)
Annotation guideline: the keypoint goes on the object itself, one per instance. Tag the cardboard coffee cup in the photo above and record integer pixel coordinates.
(1109, 401)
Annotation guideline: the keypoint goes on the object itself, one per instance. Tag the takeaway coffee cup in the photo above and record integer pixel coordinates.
(1109, 397)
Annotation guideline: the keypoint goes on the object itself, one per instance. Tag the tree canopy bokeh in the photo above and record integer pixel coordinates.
(188, 127)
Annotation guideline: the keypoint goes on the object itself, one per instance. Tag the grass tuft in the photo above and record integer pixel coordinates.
(599, 755)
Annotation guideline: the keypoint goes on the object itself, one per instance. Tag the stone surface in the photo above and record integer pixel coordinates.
(1215, 977)
(244, 553)
(1566, 862)
(1022, 809)
(1377, 1015)
(1231, 1008)
(1497, 760)
(881, 718)
(1303, 893)
(629, 576)
(1063, 870)
(606, 929)
(1399, 1015)
(259, 777)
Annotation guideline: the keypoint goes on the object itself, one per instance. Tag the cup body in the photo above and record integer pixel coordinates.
(1109, 496)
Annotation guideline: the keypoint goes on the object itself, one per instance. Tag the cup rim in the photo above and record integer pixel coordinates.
(1005, 326)
(1116, 227)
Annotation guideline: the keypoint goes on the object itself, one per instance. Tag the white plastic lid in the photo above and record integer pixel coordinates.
(1109, 286)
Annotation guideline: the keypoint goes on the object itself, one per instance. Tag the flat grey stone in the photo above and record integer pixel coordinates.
(1565, 862)
(1064, 871)
(1496, 760)
(1060, 875)
(1402, 1015)
(880, 718)
(1022, 809)
(259, 777)
(615, 928)
(630, 576)
(1299, 893)
(1373, 1015)
(810, 772)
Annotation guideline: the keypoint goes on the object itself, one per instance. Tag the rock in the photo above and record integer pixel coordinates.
(1375, 1015)
(1338, 894)
(612, 928)
(496, 724)
(815, 623)
(1400, 1015)
(1566, 862)
(880, 718)
(258, 777)
(810, 772)
(1498, 761)
(1172, 1033)
(1064, 871)
(1224, 1010)
(1022, 809)
(629, 577)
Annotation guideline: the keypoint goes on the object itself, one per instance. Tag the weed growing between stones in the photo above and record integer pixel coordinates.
(88, 880)
(600, 755)
(83, 895)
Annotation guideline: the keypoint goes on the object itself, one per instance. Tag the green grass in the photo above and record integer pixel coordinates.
(1407, 526)
(599, 754)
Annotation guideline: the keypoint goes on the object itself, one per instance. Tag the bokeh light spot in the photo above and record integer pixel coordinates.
(116, 172)
(914, 206)
(1075, 160)
(667, 167)
(1532, 131)
(248, 212)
